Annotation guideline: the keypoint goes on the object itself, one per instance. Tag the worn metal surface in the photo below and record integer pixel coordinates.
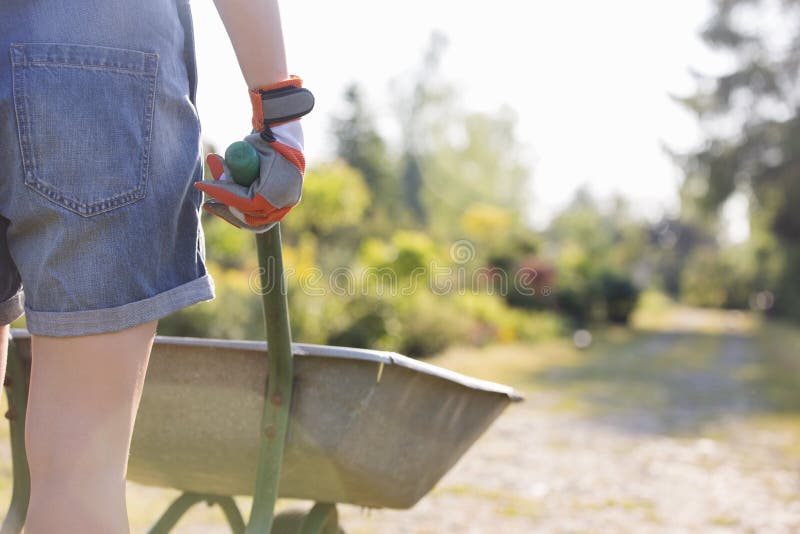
(351, 439)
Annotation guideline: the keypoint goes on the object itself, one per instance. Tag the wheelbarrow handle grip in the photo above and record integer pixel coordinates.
(242, 160)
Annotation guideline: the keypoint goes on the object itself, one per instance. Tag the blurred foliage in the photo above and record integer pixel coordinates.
(335, 197)
(598, 251)
(752, 150)
(425, 242)
(362, 147)
(619, 296)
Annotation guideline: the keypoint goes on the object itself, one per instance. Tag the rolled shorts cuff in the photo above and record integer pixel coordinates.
(11, 309)
(81, 323)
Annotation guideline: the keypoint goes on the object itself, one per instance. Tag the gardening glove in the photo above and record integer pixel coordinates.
(278, 140)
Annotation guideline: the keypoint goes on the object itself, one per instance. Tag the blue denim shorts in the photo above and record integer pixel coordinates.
(99, 148)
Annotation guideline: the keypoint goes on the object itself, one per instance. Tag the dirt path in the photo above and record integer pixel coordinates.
(687, 461)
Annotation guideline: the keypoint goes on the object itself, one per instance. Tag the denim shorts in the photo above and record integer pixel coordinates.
(99, 148)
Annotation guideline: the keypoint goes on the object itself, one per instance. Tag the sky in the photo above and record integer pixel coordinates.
(590, 82)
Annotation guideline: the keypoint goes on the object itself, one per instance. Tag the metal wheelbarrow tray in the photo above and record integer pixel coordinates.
(366, 427)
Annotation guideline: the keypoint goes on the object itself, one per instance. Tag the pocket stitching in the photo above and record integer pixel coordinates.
(104, 68)
(148, 66)
(29, 156)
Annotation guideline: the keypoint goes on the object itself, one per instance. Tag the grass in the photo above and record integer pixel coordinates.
(688, 367)
(775, 375)
(724, 521)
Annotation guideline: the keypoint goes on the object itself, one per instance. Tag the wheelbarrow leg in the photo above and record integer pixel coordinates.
(232, 514)
(275, 418)
(175, 511)
(16, 384)
(182, 504)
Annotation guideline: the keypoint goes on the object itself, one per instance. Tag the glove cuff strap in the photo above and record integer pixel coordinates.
(280, 102)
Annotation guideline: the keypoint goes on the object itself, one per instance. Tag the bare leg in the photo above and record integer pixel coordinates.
(83, 399)
(3, 350)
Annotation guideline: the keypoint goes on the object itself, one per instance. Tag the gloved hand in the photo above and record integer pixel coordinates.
(278, 139)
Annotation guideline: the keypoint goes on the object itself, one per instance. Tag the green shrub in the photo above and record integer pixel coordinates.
(228, 246)
(427, 324)
(493, 321)
(366, 323)
(334, 197)
(235, 313)
(576, 303)
(408, 252)
(619, 296)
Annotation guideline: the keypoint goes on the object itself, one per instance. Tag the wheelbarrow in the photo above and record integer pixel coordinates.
(332, 425)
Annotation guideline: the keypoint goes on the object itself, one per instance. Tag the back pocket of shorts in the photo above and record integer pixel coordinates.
(85, 119)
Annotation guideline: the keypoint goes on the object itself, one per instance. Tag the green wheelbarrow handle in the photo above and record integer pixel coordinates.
(275, 419)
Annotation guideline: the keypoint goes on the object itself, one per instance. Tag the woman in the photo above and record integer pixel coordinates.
(99, 218)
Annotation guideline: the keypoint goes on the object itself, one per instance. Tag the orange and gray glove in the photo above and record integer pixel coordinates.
(278, 140)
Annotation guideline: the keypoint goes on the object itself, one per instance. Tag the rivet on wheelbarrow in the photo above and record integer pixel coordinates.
(270, 432)
(7, 381)
(277, 399)
(11, 415)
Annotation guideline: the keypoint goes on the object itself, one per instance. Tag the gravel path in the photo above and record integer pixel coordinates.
(541, 470)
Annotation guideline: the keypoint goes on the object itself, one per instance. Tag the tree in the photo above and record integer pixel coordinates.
(359, 143)
(419, 105)
(476, 159)
(750, 114)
